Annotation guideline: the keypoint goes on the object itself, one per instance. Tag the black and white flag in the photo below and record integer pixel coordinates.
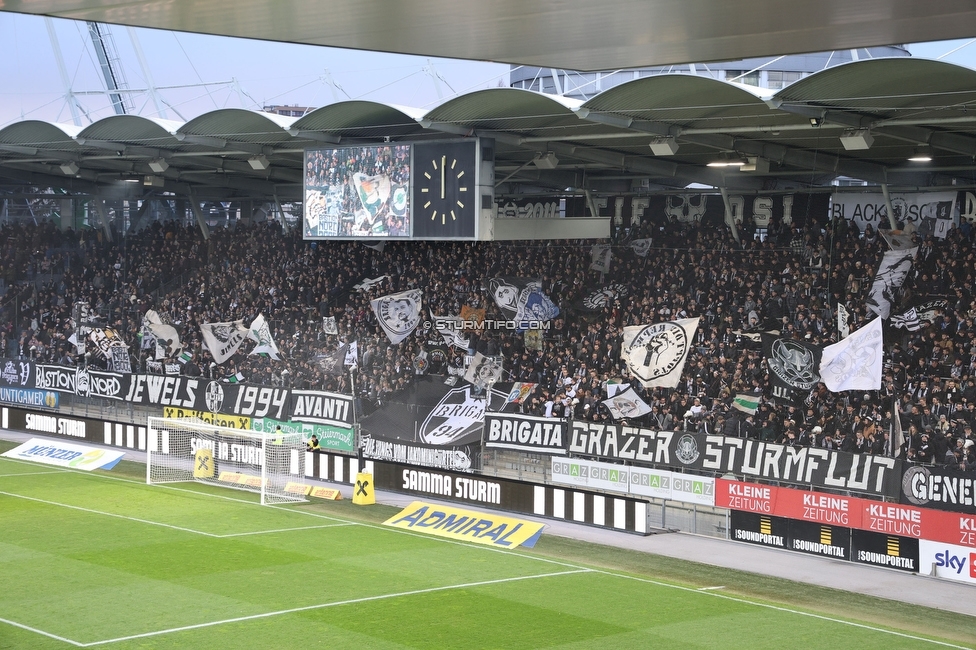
(892, 272)
(641, 247)
(329, 325)
(792, 367)
(260, 333)
(843, 321)
(599, 299)
(627, 404)
(398, 313)
(367, 283)
(484, 370)
(223, 339)
(908, 320)
(522, 300)
(352, 355)
(600, 256)
(656, 354)
(334, 363)
(449, 327)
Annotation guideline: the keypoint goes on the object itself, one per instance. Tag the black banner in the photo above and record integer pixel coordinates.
(318, 407)
(78, 428)
(793, 368)
(751, 459)
(464, 458)
(764, 530)
(455, 486)
(525, 433)
(819, 539)
(939, 488)
(16, 374)
(756, 210)
(878, 549)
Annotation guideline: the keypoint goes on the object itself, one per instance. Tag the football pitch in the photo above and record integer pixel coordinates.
(103, 560)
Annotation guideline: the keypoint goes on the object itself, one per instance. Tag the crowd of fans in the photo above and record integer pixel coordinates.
(791, 281)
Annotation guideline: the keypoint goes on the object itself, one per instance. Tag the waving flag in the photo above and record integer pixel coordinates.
(855, 362)
(398, 313)
(260, 333)
(656, 354)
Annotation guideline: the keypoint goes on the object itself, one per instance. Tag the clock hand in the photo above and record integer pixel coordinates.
(443, 163)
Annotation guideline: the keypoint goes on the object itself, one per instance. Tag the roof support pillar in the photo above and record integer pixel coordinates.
(891, 213)
(99, 208)
(198, 215)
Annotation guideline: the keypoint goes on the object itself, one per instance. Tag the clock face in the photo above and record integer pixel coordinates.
(444, 190)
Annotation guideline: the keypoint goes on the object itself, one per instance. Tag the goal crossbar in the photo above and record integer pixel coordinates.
(188, 449)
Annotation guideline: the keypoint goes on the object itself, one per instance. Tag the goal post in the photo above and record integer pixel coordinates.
(188, 449)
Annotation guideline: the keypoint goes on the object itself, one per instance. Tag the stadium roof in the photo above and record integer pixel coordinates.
(885, 110)
(565, 34)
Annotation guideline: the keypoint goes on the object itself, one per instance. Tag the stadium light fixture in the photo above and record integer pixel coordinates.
(664, 146)
(258, 163)
(159, 165)
(857, 139)
(546, 161)
(755, 164)
(70, 168)
(922, 154)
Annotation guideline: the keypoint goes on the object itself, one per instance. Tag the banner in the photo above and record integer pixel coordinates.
(46, 399)
(855, 362)
(894, 268)
(460, 459)
(948, 561)
(792, 367)
(223, 339)
(939, 488)
(17, 374)
(319, 407)
(843, 321)
(746, 403)
(921, 209)
(526, 433)
(467, 525)
(641, 247)
(817, 467)
(65, 454)
(889, 551)
(398, 313)
(327, 437)
(216, 419)
(520, 390)
(656, 354)
(764, 530)
(755, 210)
(640, 481)
(626, 405)
(450, 327)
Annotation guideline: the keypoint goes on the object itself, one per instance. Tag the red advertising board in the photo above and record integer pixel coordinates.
(850, 512)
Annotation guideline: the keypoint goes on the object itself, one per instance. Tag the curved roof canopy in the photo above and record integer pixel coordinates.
(565, 34)
(862, 120)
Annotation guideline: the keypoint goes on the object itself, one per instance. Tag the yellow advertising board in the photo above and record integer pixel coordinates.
(329, 494)
(203, 464)
(467, 525)
(297, 488)
(216, 419)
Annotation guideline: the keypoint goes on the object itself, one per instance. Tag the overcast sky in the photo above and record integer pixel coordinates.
(262, 73)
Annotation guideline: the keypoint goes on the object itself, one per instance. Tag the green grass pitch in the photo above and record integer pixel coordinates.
(102, 560)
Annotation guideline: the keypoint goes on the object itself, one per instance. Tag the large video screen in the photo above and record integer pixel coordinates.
(357, 192)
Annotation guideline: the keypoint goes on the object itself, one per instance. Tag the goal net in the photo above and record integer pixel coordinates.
(270, 464)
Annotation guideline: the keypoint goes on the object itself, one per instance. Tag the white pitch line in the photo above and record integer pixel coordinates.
(109, 514)
(41, 632)
(283, 530)
(351, 601)
(27, 474)
(787, 610)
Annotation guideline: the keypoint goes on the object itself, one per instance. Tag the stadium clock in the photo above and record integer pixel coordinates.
(445, 192)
